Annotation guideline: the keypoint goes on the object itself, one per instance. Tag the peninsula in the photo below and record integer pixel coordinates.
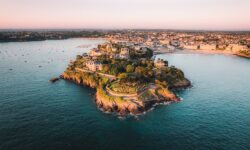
(128, 78)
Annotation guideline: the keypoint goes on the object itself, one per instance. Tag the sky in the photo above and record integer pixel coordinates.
(120, 14)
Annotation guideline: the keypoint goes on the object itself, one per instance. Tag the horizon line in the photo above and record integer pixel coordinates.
(167, 29)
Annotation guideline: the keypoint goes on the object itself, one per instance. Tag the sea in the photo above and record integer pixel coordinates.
(214, 113)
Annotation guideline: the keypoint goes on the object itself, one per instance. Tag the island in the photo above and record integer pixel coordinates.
(128, 79)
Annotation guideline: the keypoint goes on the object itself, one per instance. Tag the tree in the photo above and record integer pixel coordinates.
(198, 47)
(149, 53)
(130, 68)
(114, 70)
(140, 70)
(123, 75)
(106, 68)
(78, 57)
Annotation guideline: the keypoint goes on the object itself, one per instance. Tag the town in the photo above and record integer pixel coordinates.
(168, 41)
(160, 41)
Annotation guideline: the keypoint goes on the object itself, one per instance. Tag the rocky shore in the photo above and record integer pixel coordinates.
(243, 55)
(181, 84)
(130, 105)
(77, 80)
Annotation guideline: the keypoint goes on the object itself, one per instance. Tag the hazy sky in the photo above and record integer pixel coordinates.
(167, 14)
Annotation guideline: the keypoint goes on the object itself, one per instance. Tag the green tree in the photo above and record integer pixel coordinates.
(114, 70)
(130, 68)
(149, 53)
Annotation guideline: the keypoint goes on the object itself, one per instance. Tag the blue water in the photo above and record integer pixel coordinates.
(38, 115)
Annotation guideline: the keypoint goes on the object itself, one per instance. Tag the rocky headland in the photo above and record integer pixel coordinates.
(127, 81)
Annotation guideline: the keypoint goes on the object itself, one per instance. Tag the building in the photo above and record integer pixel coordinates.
(85, 55)
(137, 48)
(94, 65)
(95, 52)
(175, 43)
(124, 54)
(236, 47)
(114, 56)
(192, 47)
(248, 40)
(208, 46)
(144, 49)
(159, 63)
(114, 49)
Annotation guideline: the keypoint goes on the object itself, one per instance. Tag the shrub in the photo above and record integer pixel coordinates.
(130, 68)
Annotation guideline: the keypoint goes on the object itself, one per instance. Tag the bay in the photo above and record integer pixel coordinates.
(35, 114)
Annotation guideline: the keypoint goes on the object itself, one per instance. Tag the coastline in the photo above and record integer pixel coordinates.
(129, 107)
(38, 40)
(243, 55)
(212, 52)
(89, 38)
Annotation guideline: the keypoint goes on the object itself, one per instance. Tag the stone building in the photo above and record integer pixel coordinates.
(94, 65)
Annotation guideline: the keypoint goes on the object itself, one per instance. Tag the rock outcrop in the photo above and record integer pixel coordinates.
(133, 105)
(181, 84)
(77, 78)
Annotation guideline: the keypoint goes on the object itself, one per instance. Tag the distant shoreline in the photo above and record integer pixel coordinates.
(90, 38)
(209, 52)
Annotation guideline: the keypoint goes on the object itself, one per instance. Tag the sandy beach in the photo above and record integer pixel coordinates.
(206, 52)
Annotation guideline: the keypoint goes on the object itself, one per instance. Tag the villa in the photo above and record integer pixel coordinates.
(94, 65)
(124, 54)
